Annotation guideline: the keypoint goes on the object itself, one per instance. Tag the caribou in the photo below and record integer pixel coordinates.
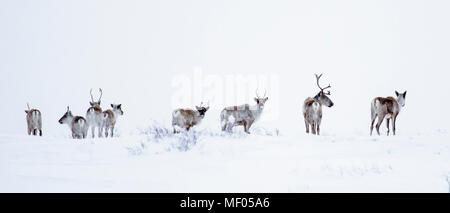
(34, 121)
(242, 115)
(388, 107)
(187, 118)
(312, 108)
(77, 124)
(94, 115)
(110, 117)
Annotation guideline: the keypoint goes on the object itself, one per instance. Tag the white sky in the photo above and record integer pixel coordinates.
(53, 52)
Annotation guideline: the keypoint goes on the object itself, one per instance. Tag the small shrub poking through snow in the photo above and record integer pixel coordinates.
(158, 138)
(156, 132)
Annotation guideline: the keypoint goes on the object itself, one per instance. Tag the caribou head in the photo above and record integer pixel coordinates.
(261, 101)
(202, 109)
(401, 98)
(322, 96)
(67, 117)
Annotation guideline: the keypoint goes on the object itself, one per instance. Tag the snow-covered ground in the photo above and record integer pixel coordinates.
(154, 160)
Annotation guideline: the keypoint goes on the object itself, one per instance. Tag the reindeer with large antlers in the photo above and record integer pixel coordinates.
(187, 118)
(94, 115)
(242, 115)
(312, 108)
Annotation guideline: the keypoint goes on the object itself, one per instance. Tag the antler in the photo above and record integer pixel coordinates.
(68, 108)
(92, 98)
(322, 89)
(28, 106)
(101, 94)
(257, 95)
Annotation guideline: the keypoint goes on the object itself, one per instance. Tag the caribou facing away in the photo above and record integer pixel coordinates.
(94, 115)
(386, 107)
(34, 121)
(110, 117)
(312, 108)
(77, 124)
(242, 115)
(187, 118)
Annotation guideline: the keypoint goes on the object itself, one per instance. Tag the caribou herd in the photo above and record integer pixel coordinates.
(95, 117)
(242, 115)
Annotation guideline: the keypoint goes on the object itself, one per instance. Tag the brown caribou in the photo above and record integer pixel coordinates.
(386, 107)
(187, 118)
(110, 117)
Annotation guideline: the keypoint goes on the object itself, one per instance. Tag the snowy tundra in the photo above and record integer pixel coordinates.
(154, 159)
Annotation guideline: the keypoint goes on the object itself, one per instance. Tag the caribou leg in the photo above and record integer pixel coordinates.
(371, 126)
(387, 125)
(100, 132)
(393, 123)
(307, 126)
(249, 125)
(246, 127)
(92, 131)
(380, 120)
(318, 127)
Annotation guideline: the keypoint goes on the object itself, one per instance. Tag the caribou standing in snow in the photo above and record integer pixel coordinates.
(110, 117)
(187, 118)
(386, 107)
(312, 108)
(94, 115)
(242, 115)
(77, 124)
(34, 121)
